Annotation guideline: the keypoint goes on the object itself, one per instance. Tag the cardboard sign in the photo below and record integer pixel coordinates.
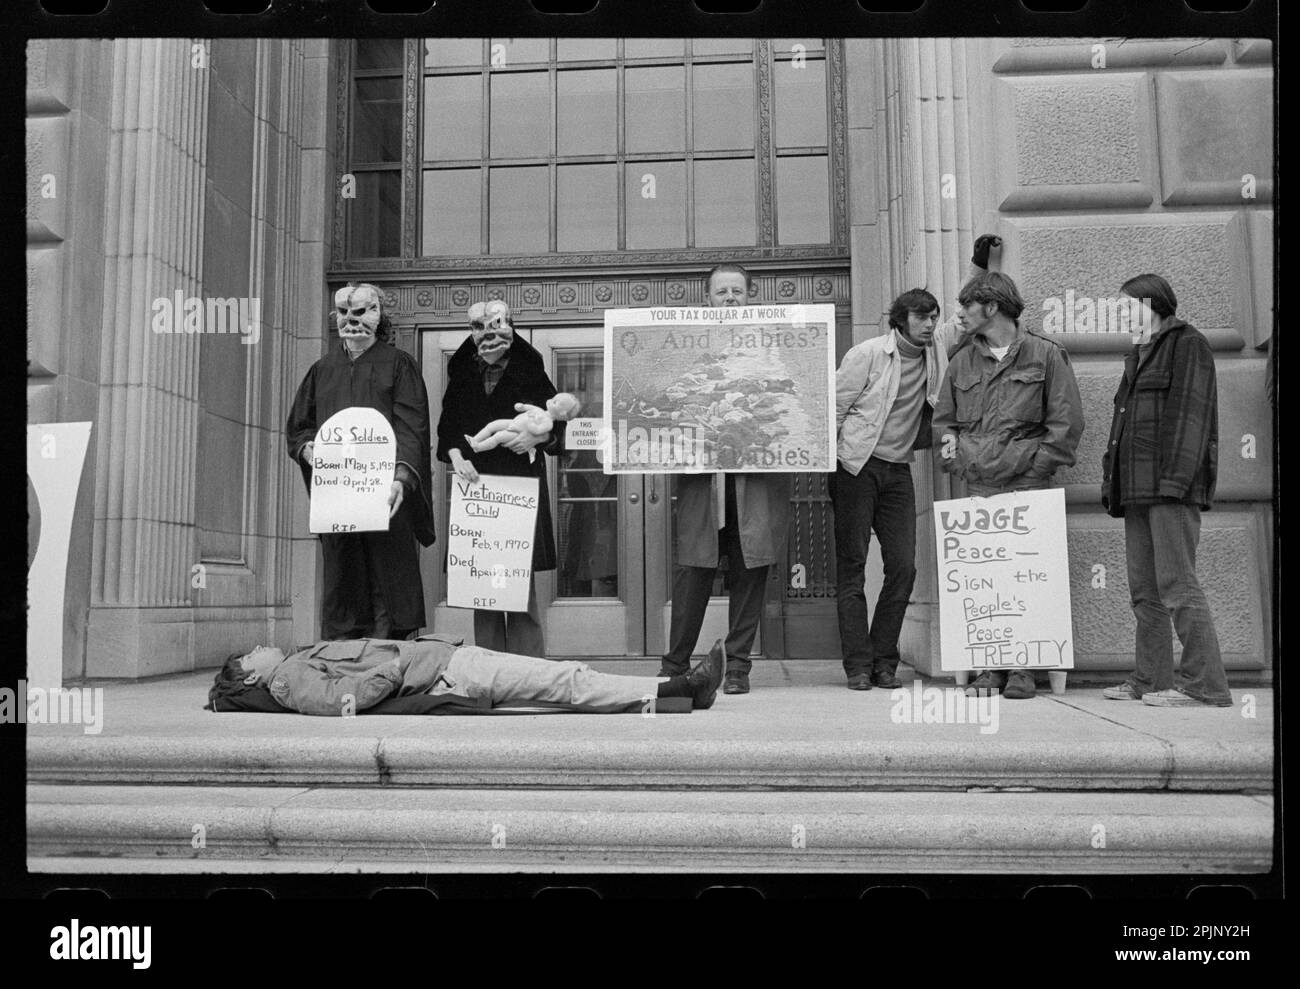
(1004, 582)
(584, 434)
(56, 453)
(490, 542)
(748, 388)
(353, 463)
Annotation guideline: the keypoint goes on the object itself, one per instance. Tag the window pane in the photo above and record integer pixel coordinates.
(584, 49)
(724, 107)
(587, 118)
(375, 216)
(654, 48)
(520, 209)
(656, 204)
(442, 52)
(380, 53)
(785, 46)
(450, 211)
(802, 200)
(453, 117)
(377, 121)
(512, 51)
(587, 522)
(722, 46)
(800, 104)
(587, 208)
(656, 109)
(724, 203)
(521, 114)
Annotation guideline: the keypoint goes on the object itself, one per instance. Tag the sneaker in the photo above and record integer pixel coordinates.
(987, 682)
(1121, 692)
(859, 681)
(1020, 686)
(736, 683)
(1173, 697)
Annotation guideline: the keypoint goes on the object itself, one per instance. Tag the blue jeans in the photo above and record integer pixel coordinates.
(1160, 546)
(879, 498)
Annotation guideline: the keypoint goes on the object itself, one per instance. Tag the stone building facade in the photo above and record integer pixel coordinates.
(204, 170)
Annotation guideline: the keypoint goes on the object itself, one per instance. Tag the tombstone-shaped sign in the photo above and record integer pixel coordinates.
(353, 462)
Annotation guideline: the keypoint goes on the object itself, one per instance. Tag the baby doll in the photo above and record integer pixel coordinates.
(559, 408)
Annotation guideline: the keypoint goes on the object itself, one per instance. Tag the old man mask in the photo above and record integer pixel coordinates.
(490, 325)
(357, 312)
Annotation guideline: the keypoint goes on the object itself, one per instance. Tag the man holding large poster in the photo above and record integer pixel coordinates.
(371, 586)
(1009, 414)
(742, 516)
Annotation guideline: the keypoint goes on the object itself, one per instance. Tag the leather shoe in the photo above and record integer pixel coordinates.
(703, 681)
(986, 683)
(1020, 686)
(736, 683)
(885, 679)
(859, 681)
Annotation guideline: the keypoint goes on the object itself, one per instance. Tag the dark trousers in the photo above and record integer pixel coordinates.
(518, 632)
(880, 498)
(1160, 546)
(691, 590)
(371, 583)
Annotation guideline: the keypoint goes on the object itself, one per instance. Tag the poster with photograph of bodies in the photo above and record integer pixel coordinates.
(746, 388)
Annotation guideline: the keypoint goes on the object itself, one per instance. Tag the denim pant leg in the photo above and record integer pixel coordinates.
(854, 500)
(895, 527)
(1153, 648)
(1175, 532)
(511, 679)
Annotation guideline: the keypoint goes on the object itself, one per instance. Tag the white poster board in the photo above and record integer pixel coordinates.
(56, 453)
(490, 532)
(354, 460)
(746, 388)
(1004, 582)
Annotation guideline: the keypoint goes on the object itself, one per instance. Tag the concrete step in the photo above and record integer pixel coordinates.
(274, 829)
(798, 730)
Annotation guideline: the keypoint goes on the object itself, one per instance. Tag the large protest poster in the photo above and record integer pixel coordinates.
(490, 532)
(747, 388)
(354, 460)
(1004, 582)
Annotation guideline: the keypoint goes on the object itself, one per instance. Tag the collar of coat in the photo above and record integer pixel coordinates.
(522, 355)
(1173, 327)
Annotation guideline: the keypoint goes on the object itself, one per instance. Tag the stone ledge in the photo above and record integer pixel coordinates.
(556, 831)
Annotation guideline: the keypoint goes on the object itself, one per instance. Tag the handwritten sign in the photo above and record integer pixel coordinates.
(1004, 582)
(353, 463)
(490, 542)
(746, 388)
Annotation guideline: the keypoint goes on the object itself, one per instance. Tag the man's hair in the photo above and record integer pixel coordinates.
(728, 267)
(230, 679)
(1155, 291)
(995, 287)
(914, 300)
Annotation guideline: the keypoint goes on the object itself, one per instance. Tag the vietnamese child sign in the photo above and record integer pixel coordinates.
(490, 532)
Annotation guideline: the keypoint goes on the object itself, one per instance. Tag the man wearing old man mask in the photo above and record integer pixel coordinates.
(371, 580)
(491, 376)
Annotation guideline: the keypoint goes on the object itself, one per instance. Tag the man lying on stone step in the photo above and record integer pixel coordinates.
(342, 678)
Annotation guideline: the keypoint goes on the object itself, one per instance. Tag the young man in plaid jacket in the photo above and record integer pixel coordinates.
(1160, 468)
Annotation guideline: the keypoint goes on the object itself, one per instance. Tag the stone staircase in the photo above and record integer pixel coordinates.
(798, 776)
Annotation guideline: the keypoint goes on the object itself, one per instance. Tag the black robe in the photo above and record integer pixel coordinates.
(467, 409)
(388, 380)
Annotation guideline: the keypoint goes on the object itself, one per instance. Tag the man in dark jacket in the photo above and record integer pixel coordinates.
(371, 580)
(491, 375)
(1159, 474)
(1009, 415)
(340, 679)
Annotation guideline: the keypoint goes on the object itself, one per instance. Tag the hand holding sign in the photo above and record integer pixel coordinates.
(353, 488)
